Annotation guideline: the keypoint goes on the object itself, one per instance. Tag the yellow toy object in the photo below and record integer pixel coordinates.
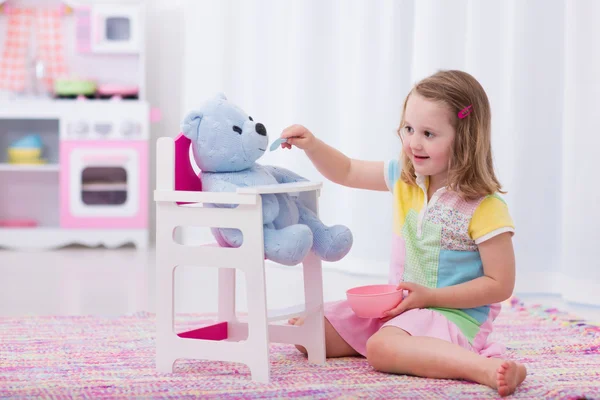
(27, 150)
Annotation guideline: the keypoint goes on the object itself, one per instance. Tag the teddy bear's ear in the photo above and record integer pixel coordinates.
(221, 96)
(190, 125)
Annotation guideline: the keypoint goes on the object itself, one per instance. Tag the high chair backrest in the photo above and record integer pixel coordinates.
(185, 177)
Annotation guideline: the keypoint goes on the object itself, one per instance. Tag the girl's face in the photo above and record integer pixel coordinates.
(427, 136)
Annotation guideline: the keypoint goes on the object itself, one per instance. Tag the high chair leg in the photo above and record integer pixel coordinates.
(165, 305)
(226, 306)
(164, 363)
(315, 321)
(258, 332)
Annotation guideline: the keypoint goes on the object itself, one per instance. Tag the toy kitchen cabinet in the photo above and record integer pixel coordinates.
(74, 145)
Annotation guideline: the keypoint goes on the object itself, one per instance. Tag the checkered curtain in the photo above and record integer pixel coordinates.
(48, 30)
(13, 70)
(50, 44)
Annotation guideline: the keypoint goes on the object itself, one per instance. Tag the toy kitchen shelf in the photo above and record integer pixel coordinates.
(91, 186)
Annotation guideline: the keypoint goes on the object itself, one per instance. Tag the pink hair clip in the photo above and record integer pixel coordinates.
(465, 111)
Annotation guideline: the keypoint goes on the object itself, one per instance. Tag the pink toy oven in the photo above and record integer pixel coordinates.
(104, 178)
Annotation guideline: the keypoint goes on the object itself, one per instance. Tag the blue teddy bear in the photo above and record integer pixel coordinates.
(226, 143)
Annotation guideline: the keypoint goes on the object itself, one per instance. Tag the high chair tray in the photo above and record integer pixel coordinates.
(294, 187)
(230, 197)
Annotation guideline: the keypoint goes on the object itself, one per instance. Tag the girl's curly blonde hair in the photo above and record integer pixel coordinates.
(471, 170)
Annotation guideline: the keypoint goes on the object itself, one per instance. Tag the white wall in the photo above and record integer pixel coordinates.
(342, 67)
(166, 78)
(165, 44)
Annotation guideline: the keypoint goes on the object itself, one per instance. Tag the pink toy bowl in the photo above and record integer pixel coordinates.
(373, 300)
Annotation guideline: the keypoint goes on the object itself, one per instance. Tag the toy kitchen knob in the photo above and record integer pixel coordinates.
(80, 128)
(128, 128)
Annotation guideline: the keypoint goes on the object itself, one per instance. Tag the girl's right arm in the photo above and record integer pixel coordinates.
(334, 165)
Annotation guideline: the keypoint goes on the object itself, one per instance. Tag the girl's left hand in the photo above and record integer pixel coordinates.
(418, 297)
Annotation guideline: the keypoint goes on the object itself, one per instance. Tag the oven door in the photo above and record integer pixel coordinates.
(104, 182)
(102, 187)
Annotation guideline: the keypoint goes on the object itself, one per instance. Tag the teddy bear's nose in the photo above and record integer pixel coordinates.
(260, 129)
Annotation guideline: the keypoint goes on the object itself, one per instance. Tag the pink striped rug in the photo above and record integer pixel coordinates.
(100, 357)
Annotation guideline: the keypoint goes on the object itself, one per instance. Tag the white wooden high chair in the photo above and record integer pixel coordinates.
(176, 183)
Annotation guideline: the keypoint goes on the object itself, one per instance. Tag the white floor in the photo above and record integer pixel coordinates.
(78, 281)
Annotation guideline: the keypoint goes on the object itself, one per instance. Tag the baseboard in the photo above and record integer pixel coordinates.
(535, 282)
(570, 289)
(357, 266)
(348, 265)
(580, 291)
(351, 266)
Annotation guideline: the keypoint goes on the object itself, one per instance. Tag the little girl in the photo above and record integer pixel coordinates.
(452, 243)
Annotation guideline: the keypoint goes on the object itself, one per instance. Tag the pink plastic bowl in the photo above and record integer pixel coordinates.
(373, 300)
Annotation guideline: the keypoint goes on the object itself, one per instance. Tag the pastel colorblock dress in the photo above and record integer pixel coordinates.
(434, 244)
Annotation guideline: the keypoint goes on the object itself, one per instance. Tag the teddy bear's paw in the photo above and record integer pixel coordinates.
(333, 243)
(228, 237)
(288, 246)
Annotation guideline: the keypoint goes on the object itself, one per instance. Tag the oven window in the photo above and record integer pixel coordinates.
(118, 29)
(104, 186)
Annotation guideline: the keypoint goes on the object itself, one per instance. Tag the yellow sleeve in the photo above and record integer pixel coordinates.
(490, 219)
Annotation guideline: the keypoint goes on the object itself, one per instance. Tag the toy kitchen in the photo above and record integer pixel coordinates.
(74, 124)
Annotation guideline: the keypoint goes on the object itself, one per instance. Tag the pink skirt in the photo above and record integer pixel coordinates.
(416, 322)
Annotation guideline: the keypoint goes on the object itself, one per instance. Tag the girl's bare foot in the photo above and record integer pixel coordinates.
(335, 345)
(298, 321)
(509, 375)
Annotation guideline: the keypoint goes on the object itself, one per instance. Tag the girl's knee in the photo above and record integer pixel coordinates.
(377, 349)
